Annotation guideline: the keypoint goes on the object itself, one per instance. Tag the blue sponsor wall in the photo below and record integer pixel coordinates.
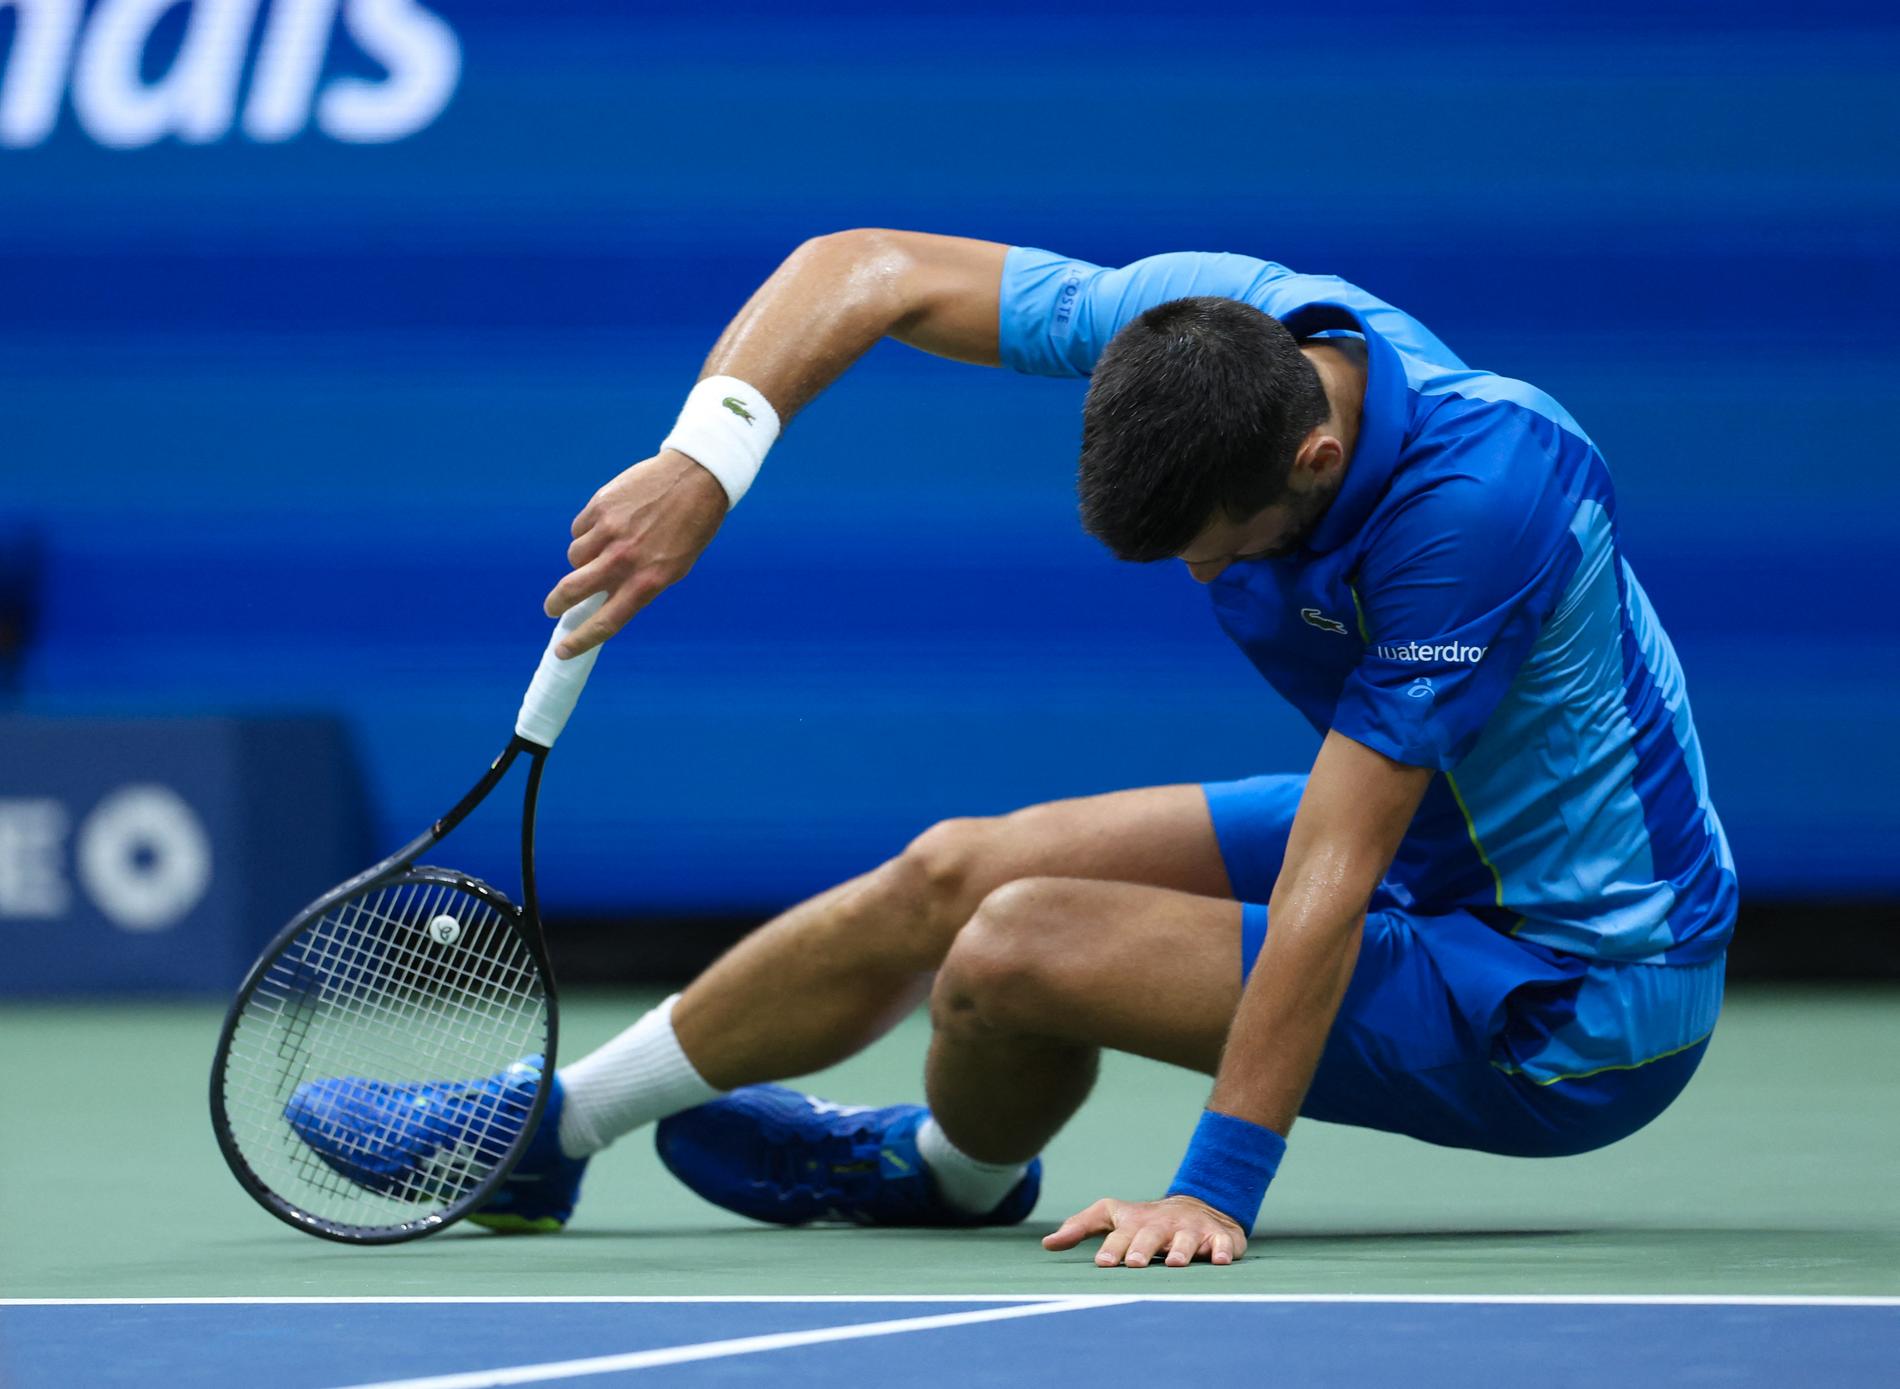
(319, 319)
(158, 855)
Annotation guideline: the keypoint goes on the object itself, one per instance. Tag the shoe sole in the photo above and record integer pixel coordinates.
(519, 1225)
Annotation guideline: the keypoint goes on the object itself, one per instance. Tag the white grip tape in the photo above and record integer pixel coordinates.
(726, 426)
(557, 683)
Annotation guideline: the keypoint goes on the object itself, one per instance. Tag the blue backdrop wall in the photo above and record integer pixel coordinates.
(320, 318)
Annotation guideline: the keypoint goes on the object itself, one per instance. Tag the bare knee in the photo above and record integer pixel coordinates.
(1002, 973)
(935, 884)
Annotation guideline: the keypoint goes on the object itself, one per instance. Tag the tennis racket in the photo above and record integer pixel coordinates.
(383, 1064)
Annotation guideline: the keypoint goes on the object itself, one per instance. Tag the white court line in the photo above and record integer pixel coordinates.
(1105, 1299)
(739, 1345)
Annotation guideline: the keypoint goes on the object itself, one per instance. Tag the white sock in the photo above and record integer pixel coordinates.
(969, 1185)
(639, 1077)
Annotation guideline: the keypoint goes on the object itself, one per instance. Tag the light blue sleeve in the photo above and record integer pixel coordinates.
(1056, 315)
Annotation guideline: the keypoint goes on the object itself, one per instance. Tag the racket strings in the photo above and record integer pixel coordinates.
(342, 953)
(388, 1040)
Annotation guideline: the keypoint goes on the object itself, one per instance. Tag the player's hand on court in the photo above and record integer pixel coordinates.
(637, 536)
(1179, 1228)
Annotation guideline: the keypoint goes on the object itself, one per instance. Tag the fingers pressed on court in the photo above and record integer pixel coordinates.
(1148, 1238)
(1115, 1246)
(1178, 1229)
(1183, 1247)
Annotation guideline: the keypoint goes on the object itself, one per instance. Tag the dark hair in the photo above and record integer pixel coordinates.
(1197, 406)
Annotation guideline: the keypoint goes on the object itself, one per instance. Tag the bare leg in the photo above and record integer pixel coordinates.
(831, 975)
(1049, 971)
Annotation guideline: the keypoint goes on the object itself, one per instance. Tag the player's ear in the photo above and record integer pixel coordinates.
(1320, 454)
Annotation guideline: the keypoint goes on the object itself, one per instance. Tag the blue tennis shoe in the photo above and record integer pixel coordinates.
(776, 1155)
(538, 1196)
(430, 1141)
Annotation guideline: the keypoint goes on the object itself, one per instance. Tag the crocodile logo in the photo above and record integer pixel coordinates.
(737, 406)
(1315, 618)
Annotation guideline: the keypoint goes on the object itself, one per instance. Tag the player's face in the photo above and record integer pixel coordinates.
(1278, 530)
(1312, 482)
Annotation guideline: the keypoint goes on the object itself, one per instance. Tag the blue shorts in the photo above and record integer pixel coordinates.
(1455, 1033)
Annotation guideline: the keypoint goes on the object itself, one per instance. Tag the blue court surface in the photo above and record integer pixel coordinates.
(1320, 1341)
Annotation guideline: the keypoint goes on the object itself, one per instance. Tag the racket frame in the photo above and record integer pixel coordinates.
(526, 919)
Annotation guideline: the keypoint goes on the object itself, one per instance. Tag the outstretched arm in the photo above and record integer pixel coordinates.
(1357, 806)
(827, 305)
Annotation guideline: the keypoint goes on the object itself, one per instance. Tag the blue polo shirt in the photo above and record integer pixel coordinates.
(1463, 605)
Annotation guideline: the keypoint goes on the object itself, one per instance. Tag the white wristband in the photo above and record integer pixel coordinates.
(726, 427)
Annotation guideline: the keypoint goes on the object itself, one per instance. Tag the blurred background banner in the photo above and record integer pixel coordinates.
(159, 855)
(319, 320)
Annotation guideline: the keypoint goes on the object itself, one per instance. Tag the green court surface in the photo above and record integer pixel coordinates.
(1778, 1172)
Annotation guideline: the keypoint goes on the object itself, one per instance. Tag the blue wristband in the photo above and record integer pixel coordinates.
(1228, 1166)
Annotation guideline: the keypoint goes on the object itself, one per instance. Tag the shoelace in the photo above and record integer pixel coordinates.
(844, 1170)
(815, 1165)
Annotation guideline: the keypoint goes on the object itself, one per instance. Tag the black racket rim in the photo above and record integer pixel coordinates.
(401, 867)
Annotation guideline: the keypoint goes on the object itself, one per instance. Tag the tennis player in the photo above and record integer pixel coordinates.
(1492, 915)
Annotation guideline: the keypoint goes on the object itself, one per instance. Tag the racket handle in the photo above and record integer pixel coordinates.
(557, 683)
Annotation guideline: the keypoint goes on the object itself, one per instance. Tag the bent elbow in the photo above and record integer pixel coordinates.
(875, 247)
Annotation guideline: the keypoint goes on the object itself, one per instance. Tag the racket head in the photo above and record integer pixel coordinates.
(349, 1071)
